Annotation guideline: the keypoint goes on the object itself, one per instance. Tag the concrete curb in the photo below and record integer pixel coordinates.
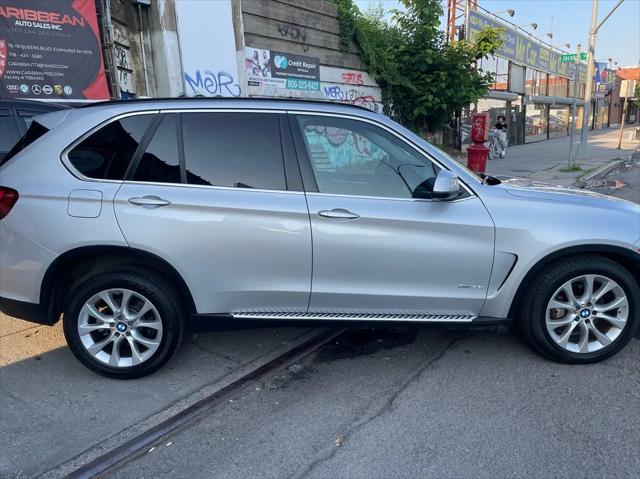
(602, 171)
(68, 467)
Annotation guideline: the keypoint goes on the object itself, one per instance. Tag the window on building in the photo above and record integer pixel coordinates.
(558, 86)
(106, 154)
(535, 82)
(241, 150)
(499, 67)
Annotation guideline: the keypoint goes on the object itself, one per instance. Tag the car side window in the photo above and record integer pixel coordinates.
(241, 150)
(7, 136)
(160, 161)
(351, 157)
(106, 153)
(25, 117)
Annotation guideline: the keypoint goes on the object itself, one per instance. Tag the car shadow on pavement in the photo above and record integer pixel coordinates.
(53, 408)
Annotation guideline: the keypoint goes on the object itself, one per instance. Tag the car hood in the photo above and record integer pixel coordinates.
(548, 192)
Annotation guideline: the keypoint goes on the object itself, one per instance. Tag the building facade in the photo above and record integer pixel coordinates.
(233, 48)
(175, 48)
(534, 88)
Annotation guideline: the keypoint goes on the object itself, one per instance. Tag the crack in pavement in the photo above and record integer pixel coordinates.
(329, 452)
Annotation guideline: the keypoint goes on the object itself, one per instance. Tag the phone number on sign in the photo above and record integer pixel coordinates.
(294, 84)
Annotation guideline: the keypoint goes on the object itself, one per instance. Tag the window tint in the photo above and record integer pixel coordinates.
(351, 157)
(160, 161)
(6, 129)
(25, 117)
(35, 131)
(106, 154)
(233, 149)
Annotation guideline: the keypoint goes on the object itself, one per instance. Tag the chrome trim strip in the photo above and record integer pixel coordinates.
(423, 318)
(385, 198)
(210, 187)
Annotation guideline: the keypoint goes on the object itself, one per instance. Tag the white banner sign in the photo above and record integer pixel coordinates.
(208, 49)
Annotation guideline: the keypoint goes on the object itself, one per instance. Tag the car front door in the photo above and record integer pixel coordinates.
(376, 249)
(222, 210)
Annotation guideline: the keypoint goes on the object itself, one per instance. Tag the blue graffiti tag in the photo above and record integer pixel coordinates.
(218, 84)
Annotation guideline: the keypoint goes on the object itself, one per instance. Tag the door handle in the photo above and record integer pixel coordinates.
(338, 214)
(149, 201)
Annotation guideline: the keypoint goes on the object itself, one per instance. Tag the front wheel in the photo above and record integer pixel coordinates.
(124, 324)
(581, 310)
(492, 150)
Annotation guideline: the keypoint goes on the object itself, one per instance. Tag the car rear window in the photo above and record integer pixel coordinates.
(33, 133)
(106, 153)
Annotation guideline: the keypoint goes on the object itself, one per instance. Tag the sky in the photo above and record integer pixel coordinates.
(618, 38)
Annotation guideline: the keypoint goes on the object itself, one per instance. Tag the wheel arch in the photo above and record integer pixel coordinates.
(74, 265)
(623, 256)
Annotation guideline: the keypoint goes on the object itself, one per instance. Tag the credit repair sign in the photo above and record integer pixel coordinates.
(50, 50)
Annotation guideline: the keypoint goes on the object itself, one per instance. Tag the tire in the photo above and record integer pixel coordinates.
(539, 321)
(155, 335)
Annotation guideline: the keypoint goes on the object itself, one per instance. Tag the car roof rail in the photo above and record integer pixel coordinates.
(223, 99)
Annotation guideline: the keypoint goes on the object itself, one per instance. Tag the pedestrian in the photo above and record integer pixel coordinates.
(501, 134)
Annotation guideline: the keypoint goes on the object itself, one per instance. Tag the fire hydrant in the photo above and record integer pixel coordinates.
(477, 153)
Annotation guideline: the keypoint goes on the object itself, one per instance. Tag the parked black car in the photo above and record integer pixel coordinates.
(15, 118)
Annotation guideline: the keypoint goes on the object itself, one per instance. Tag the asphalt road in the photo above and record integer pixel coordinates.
(422, 403)
(375, 403)
(418, 403)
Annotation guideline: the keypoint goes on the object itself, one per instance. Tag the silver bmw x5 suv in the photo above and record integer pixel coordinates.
(139, 221)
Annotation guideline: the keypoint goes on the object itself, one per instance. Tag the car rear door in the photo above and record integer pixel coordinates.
(211, 195)
(375, 248)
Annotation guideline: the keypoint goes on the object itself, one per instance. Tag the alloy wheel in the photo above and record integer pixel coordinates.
(587, 313)
(120, 327)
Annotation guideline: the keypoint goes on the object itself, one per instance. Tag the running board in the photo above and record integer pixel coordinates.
(418, 318)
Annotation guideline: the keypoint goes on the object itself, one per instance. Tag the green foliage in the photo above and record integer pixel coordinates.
(637, 94)
(424, 80)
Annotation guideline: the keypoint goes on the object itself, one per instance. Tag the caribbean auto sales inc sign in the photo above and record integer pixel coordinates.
(50, 50)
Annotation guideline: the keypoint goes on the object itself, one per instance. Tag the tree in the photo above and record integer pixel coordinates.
(424, 80)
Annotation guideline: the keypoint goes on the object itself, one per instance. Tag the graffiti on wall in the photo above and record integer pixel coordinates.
(295, 33)
(210, 83)
(125, 69)
(348, 94)
(208, 48)
(353, 78)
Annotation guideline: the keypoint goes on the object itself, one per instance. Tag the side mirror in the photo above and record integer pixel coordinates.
(446, 186)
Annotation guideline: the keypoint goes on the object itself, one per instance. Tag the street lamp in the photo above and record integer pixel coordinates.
(549, 34)
(533, 26)
(508, 11)
(583, 151)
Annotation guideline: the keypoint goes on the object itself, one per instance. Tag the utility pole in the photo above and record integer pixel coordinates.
(624, 114)
(583, 152)
(576, 83)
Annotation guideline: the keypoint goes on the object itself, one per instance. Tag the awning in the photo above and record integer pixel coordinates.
(551, 100)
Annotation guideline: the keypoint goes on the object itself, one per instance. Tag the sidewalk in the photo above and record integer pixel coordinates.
(545, 160)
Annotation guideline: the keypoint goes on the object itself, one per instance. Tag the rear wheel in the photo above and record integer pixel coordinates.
(582, 310)
(124, 324)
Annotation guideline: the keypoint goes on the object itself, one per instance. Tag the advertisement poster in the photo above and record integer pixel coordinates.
(208, 48)
(50, 50)
(276, 70)
(299, 72)
(257, 64)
